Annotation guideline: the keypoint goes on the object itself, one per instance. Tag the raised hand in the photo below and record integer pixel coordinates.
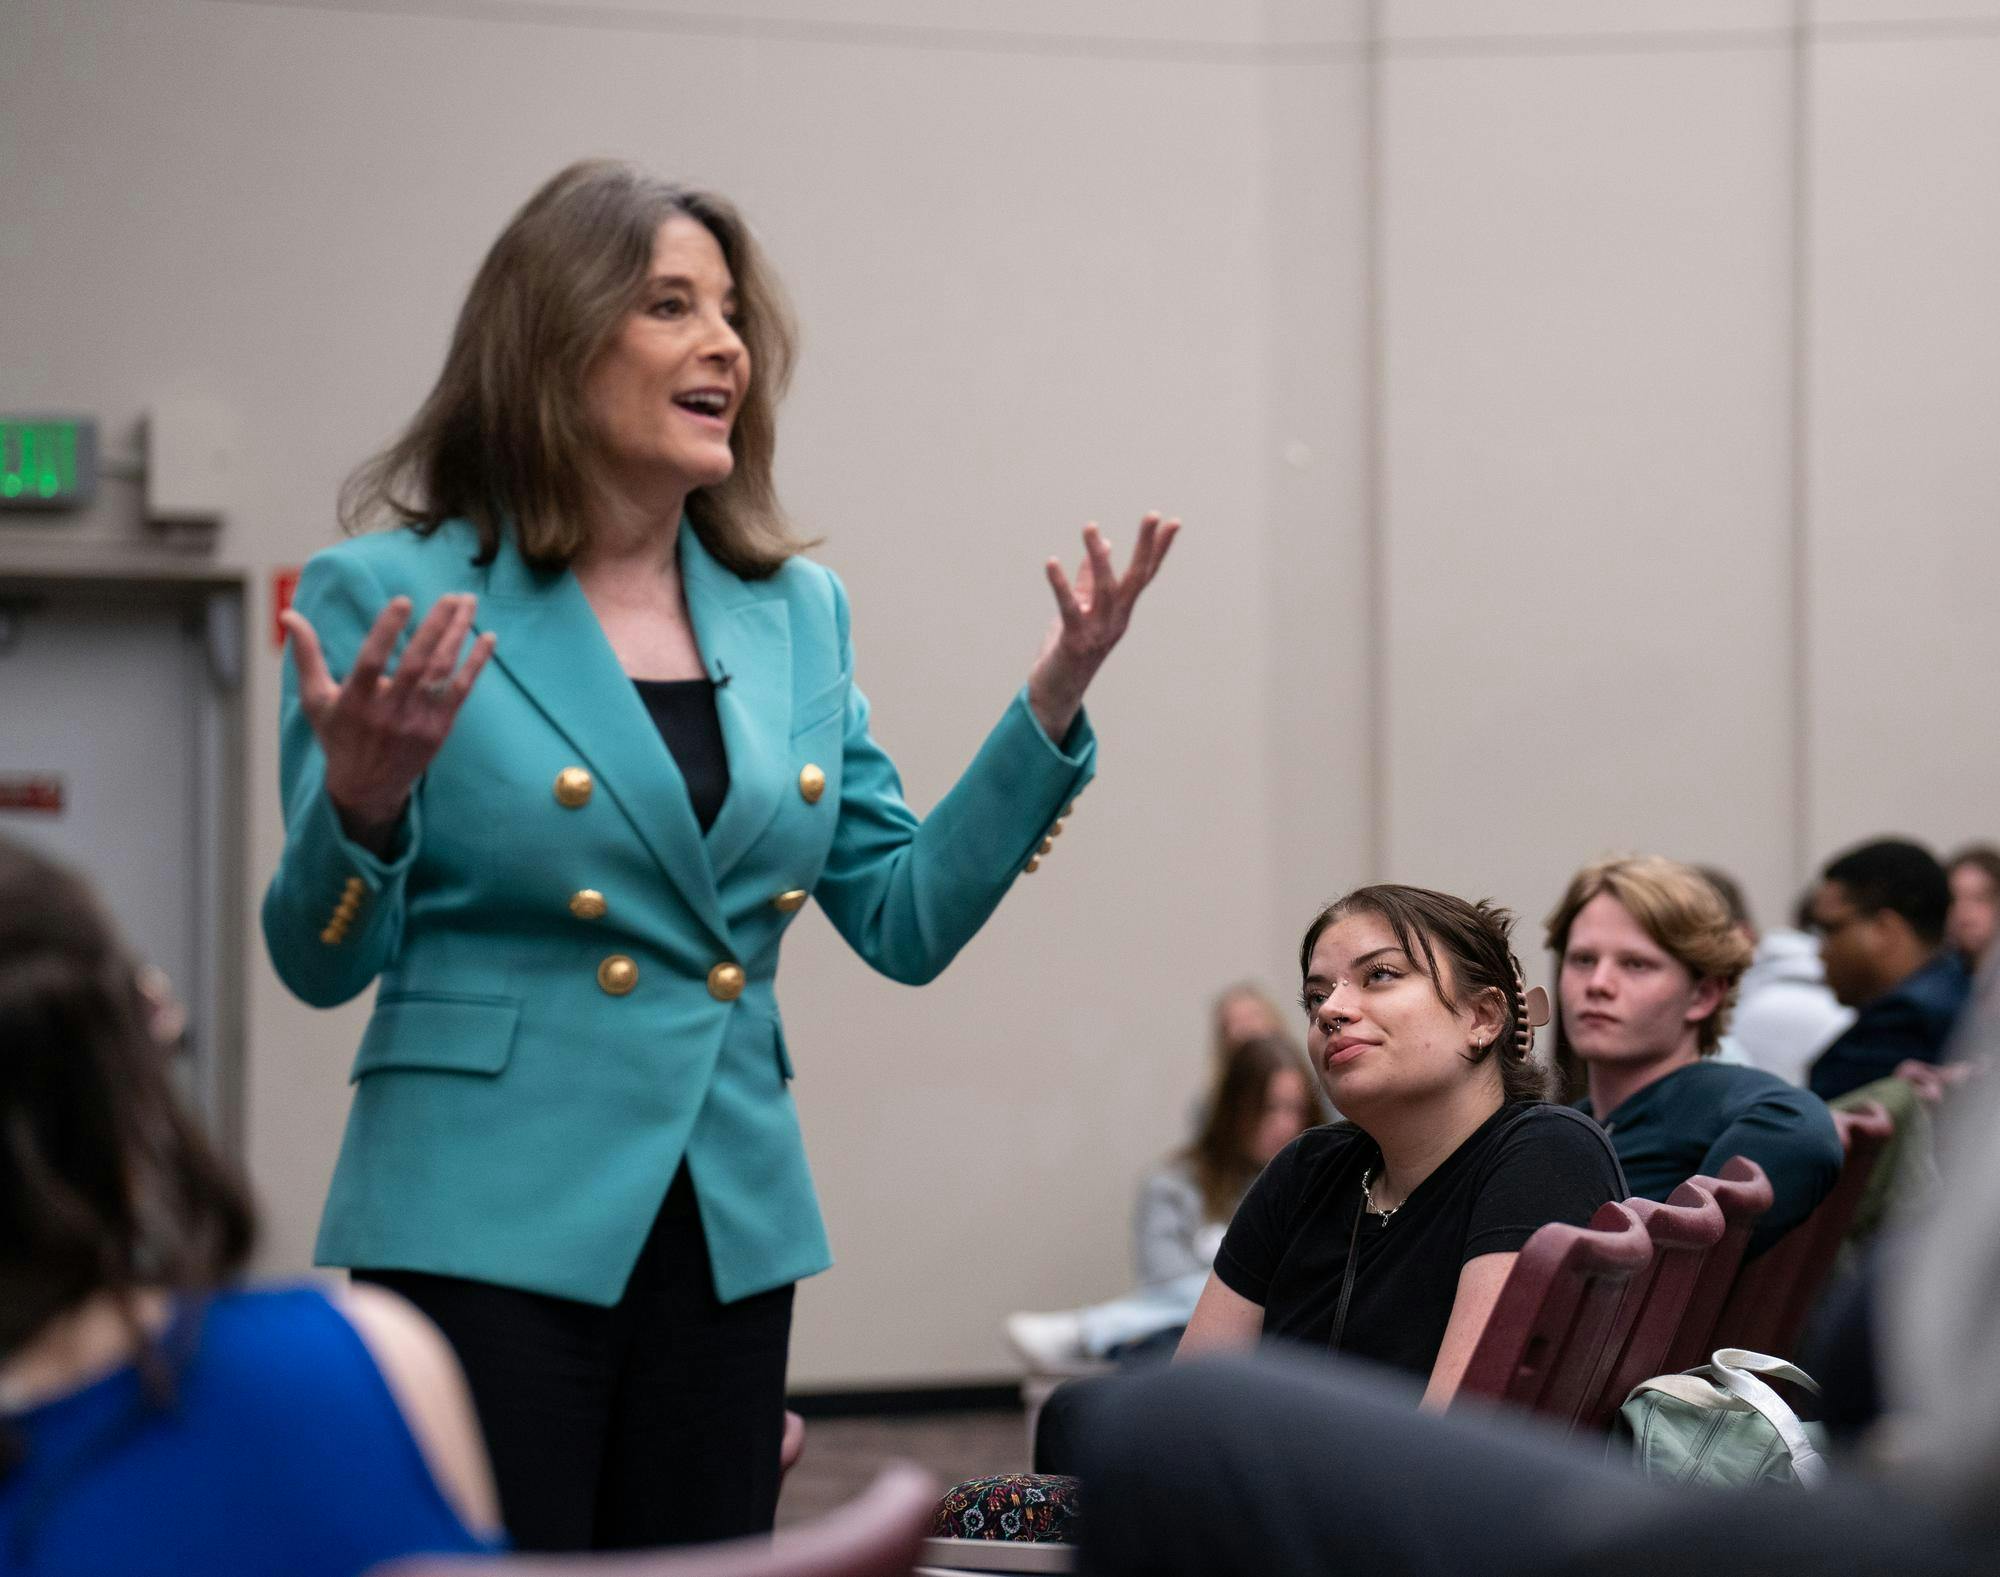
(379, 731)
(1091, 618)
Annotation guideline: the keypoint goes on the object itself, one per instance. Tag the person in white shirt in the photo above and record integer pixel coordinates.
(1786, 1015)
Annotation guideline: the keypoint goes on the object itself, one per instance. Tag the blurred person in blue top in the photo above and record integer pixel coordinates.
(155, 1417)
(1880, 911)
(1648, 958)
(572, 1140)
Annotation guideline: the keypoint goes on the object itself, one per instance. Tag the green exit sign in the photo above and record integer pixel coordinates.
(47, 462)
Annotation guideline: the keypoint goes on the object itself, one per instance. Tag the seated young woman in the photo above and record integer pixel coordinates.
(1388, 1235)
(155, 1418)
(1261, 1100)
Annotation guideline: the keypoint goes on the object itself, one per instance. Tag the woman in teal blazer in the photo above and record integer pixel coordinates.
(572, 901)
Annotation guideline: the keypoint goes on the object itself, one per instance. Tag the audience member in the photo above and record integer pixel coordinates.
(1269, 1468)
(1261, 1101)
(1974, 916)
(1241, 1013)
(1937, 1303)
(1731, 894)
(1785, 1015)
(154, 1418)
(1648, 959)
(1879, 910)
(1387, 1236)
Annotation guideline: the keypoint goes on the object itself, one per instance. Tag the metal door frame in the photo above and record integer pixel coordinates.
(221, 597)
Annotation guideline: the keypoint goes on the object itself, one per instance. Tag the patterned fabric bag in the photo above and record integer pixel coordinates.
(1020, 1508)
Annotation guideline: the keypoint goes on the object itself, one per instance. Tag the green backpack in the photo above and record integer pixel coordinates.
(1722, 1427)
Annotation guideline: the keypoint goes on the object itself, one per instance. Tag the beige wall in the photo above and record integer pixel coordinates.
(1585, 449)
(1525, 523)
(1685, 503)
(1318, 826)
(1903, 396)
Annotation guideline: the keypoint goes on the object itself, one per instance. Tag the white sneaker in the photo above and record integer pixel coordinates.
(1047, 1340)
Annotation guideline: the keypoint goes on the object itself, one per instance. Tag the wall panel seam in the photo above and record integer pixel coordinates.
(638, 19)
(1913, 30)
(1373, 450)
(1482, 46)
(1510, 46)
(1800, 440)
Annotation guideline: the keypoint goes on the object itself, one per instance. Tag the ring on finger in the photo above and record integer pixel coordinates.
(435, 690)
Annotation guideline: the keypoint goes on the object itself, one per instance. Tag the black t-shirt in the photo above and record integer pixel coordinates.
(1528, 1164)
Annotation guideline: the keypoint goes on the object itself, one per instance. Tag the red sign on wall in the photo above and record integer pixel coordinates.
(36, 793)
(284, 584)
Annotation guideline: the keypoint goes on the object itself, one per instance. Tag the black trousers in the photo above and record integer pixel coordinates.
(1296, 1466)
(1070, 1410)
(656, 1421)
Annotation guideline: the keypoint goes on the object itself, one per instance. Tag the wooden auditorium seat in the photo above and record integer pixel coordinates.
(1685, 1232)
(1743, 1194)
(1776, 1290)
(1563, 1308)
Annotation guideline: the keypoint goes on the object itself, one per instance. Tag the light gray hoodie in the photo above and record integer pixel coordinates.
(1785, 1015)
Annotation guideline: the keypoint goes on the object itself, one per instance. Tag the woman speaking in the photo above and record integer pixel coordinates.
(572, 1140)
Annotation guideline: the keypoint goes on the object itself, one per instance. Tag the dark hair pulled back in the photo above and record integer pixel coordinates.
(1472, 939)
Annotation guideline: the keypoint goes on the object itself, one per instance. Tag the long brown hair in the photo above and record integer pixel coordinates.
(1472, 937)
(106, 1185)
(505, 440)
(1220, 1156)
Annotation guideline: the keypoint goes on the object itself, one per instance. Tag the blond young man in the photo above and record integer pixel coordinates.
(1648, 960)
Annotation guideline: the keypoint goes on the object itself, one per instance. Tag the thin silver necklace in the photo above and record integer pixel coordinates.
(1368, 1198)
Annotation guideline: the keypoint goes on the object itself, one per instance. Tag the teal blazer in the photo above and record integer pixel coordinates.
(576, 985)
